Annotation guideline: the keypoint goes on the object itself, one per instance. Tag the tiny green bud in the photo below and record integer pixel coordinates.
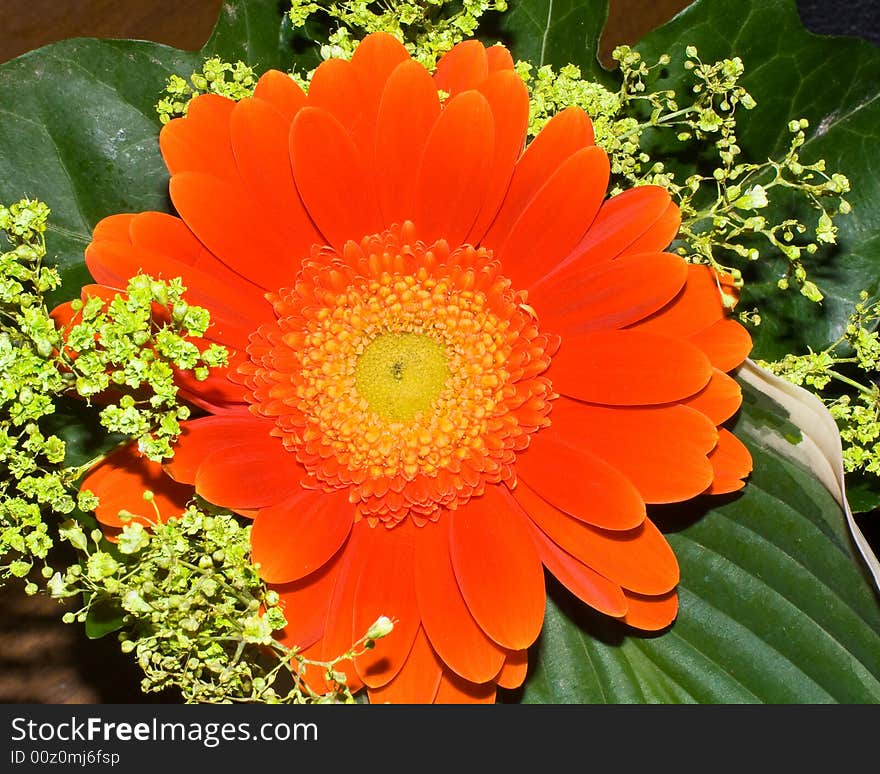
(381, 627)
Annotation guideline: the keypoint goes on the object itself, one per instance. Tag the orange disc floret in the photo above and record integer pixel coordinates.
(407, 373)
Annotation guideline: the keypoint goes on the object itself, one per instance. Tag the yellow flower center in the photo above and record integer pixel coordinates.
(404, 372)
(401, 375)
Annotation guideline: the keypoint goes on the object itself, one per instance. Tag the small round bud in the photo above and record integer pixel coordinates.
(381, 627)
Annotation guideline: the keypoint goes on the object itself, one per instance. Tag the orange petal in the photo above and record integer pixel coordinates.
(508, 98)
(452, 630)
(332, 178)
(556, 217)
(726, 343)
(661, 232)
(64, 314)
(580, 483)
(697, 307)
(628, 368)
(165, 234)
(454, 690)
(564, 135)
(407, 112)
(731, 463)
(217, 393)
(261, 146)
(498, 569)
(464, 67)
(375, 58)
(584, 582)
(386, 587)
(498, 58)
(298, 536)
(158, 234)
(620, 222)
(121, 479)
(338, 635)
(651, 613)
(305, 603)
(638, 559)
(337, 88)
(114, 228)
(253, 474)
(281, 92)
(662, 450)
(611, 295)
(417, 681)
(516, 665)
(236, 307)
(452, 179)
(719, 400)
(199, 142)
(222, 214)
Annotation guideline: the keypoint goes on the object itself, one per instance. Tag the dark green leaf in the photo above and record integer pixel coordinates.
(862, 491)
(252, 31)
(103, 618)
(556, 32)
(775, 607)
(79, 130)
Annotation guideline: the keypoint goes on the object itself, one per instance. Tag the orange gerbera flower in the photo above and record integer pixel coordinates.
(453, 362)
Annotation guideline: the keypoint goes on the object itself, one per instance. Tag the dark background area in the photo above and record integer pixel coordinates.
(41, 659)
(859, 18)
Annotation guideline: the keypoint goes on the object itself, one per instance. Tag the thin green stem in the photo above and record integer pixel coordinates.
(851, 382)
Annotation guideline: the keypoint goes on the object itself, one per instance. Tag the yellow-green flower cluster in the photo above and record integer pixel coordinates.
(194, 612)
(551, 91)
(134, 343)
(30, 382)
(428, 28)
(724, 211)
(845, 376)
(235, 80)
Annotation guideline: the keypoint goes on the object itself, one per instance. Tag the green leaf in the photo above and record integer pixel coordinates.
(103, 618)
(79, 130)
(252, 31)
(831, 81)
(775, 607)
(862, 491)
(555, 32)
